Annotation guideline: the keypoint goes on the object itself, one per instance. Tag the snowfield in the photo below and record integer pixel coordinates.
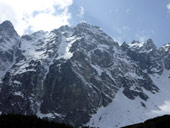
(123, 111)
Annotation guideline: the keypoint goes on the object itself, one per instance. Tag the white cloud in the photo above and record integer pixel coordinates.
(128, 11)
(142, 35)
(142, 39)
(81, 13)
(168, 6)
(121, 30)
(118, 39)
(35, 14)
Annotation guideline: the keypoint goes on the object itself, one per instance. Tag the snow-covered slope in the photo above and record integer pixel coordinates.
(80, 75)
(123, 111)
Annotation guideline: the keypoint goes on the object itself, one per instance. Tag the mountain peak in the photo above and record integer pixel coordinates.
(165, 47)
(7, 29)
(85, 25)
(7, 24)
(135, 42)
(149, 44)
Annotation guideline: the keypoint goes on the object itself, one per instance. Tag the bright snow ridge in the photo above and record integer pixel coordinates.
(64, 47)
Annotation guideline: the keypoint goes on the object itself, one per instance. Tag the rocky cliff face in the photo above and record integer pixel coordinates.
(69, 73)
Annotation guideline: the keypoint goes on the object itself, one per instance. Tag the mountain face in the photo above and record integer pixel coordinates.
(9, 45)
(80, 75)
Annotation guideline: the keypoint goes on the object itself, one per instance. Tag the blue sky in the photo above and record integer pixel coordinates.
(127, 20)
(124, 20)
